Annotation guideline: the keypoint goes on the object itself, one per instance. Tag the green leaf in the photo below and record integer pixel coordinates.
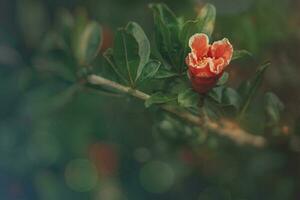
(167, 34)
(166, 15)
(125, 54)
(189, 29)
(143, 43)
(90, 43)
(204, 23)
(108, 55)
(240, 54)
(211, 108)
(230, 97)
(164, 73)
(80, 23)
(150, 70)
(248, 89)
(64, 22)
(188, 98)
(273, 108)
(207, 17)
(131, 51)
(216, 94)
(158, 98)
(224, 78)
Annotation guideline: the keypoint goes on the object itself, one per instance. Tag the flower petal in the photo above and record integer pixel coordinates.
(203, 68)
(222, 49)
(199, 43)
(218, 65)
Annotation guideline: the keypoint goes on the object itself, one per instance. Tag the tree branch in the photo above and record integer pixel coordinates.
(223, 128)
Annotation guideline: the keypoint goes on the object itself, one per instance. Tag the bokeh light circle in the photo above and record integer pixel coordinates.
(157, 177)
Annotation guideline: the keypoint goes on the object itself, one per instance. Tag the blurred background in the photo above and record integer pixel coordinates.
(58, 141)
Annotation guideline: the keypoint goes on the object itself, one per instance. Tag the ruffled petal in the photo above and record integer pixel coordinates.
(222, 49)
(199, 44)
(202, 69)
(218, 65)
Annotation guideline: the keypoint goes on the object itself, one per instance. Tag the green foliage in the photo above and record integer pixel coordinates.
(231, 98)
(166, 33)
(240, 54)
(130, 63)
(172, 34)
(249, 88)
(216, 94)
(131, 52)
(159, 98)
(206, 18)
(164, 73)
(273, 108)
(188, 98)
(224, 78)
(89, 43)
(204, 23)
(66, 118)
(150, 70)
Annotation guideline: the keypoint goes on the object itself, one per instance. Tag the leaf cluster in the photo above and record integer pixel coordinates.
(160, 70)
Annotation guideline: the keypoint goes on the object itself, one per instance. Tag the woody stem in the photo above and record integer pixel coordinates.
(222, 128)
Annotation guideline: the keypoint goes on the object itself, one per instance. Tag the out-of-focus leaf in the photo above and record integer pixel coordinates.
(57, 67)
(240, 54)
(216, 94)
(80, 23)
(273, 108)
(150, 70)
(231, 98)
(224, 78)
(53, 41)
(158, 98)
(207, 17)
(211, 109)
(33, 20)
(188, 98)
(248, 89)
(131, 51)
(144, 45)
(90, 43)
(64, 22)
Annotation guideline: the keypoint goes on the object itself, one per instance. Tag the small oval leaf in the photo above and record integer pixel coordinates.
(90, 43)
(273, 108)
(143, 44)
(150, 70)
(188, 98)
(207, 17)
(240, 54)
(158, 98)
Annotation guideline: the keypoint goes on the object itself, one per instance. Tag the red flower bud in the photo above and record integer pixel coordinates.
(206, 63)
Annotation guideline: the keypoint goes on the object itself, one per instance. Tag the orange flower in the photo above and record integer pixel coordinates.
(206, 63)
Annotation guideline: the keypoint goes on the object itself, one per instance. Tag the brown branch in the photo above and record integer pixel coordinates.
(223, 128)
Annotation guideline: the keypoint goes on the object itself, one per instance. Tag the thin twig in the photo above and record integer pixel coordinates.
(223, 128)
